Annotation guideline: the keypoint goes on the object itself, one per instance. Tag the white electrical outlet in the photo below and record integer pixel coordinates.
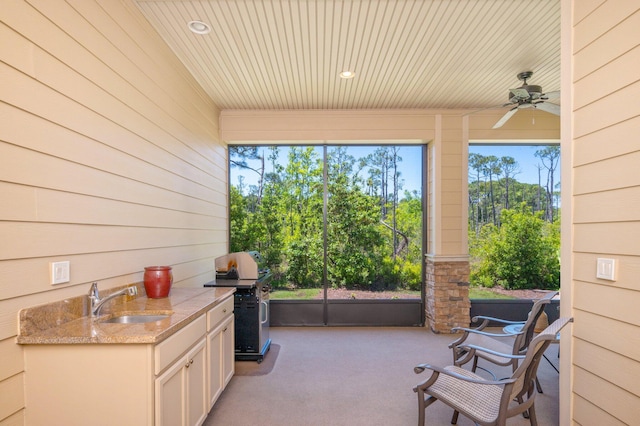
(606, 269)
(59, 272)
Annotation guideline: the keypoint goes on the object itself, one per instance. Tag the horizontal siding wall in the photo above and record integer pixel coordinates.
(453, 178)
(525, 125)
(606, 212)
(361, 125)
(110, 158)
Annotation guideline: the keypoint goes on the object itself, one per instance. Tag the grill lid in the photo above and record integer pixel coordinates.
(241, 265)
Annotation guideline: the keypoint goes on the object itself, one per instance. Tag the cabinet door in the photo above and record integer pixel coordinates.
(214, 365)
(171, 395)
(196, 385)
(228, 351)
(181, 391)
(220, 358)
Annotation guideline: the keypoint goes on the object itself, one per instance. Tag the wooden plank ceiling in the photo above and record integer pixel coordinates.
(287, 54)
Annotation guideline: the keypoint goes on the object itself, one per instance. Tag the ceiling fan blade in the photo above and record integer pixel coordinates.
(520, 93)
(550, 95)
(491, 107)
(505, 118)
(548, 107)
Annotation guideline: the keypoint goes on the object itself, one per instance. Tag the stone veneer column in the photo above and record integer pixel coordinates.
(447, 289)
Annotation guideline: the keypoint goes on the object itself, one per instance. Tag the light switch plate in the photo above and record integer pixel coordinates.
(606, 269)
(59, 272)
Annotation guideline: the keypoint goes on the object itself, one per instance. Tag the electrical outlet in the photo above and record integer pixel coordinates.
(59, 272)
(606, 269)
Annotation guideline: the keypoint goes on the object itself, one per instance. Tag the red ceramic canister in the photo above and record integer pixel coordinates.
(157, 281)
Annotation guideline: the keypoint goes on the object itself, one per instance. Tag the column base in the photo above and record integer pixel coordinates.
(447, 294)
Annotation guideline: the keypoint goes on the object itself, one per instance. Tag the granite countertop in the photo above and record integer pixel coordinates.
(66, 322)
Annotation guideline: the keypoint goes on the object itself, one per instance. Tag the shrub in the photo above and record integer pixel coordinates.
(521, 254)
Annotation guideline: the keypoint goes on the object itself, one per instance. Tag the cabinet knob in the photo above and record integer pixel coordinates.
(224, 311)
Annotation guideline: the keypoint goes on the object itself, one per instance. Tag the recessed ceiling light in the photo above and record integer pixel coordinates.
(199, 27)
(347, 74)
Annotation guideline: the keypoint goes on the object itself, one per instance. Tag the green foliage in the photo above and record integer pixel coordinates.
(283, 218)
(521, 254)
(411, 274)
(246, 224)
(304, 263)
(409, 221)
(374, 236)
(480, 247)
(355, 241)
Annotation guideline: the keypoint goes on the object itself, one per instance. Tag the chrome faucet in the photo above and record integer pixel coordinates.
(97, 303)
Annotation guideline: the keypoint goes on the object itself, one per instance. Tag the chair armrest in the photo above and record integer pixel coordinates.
(468, 331)
(486, 333)
(439, 370)
(500, 320)
(475, 348)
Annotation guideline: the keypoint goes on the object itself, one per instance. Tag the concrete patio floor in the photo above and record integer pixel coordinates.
(354, 376)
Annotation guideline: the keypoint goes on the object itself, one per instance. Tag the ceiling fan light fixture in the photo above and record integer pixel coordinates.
(347, 74)
(526, 96)
(199, 27)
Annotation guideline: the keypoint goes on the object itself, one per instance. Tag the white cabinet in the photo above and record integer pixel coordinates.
(220, 349)
(228, 350)
(181, 390)
(79, 385)
(174, 382)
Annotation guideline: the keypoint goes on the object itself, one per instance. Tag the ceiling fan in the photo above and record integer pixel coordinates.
(527, 96)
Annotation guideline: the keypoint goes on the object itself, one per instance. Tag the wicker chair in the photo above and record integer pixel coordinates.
(498, 342)
(487, 402)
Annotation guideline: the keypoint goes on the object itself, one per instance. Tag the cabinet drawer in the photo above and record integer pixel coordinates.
(167, 351)
(219, 312)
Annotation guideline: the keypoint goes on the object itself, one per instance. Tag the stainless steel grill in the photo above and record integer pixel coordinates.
(251, 302)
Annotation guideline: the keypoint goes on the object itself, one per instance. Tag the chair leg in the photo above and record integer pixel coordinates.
(454, 418)
(421, 408)
(423, 403)
(532, 416)
(538, 386)
(525, 413)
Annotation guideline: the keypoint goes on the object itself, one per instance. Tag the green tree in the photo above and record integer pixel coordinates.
(238, 218)
(476, 168)
(492, 169)
(408, 266)
(550, 158)
(355, 244)
(509, 167)
(521, 254)
(239, 157)
(273, 225)
(300, 206)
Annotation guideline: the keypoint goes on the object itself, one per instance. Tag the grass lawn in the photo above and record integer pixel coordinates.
(485, 293)
(298, 294)
(315, 293)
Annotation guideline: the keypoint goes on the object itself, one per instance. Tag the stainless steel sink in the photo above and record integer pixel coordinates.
(136, 318)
